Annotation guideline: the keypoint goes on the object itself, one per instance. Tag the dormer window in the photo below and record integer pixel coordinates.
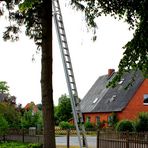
(113, 98)
(145, 99)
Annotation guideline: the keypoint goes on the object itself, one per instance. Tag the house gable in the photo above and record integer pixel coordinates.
(136, 104)
(110, 99)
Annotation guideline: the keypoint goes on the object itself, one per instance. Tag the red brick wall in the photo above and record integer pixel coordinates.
(132, 109)
(136, 104)
(103, 117)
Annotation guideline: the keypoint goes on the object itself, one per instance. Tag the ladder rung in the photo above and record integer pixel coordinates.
(65, 48)
(73, 89)
(62, 28)
(60, 20)
(69, 68)
(56, 7)
(70, 75)
(63, 41)
(66, 55)
(68, 62)
(62, 34)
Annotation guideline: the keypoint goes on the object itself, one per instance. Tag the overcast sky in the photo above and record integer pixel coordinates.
(89, 59)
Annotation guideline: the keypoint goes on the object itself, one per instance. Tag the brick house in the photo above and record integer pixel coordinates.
(100, 102)
(32, 106)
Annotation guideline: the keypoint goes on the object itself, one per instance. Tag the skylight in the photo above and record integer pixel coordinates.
(95, 100)
(121, 81)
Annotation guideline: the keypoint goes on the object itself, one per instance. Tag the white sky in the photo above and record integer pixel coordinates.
(90, 59)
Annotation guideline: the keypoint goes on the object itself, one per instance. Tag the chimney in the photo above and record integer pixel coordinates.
(110, 72)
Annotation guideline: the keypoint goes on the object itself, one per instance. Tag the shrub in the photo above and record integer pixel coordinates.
(113, 120)
(3, 125)
(88, 125)
(35, 146)
(125, 125)
(65, 125)
(141, 123)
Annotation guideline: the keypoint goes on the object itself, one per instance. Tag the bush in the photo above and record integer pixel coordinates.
(35, 146)
(65, 125)
(125, 125)
(88, 125)
(141, 123)
(3, 125)
(113, 120)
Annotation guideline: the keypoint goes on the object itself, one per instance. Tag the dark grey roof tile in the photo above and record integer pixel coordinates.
(110, 99)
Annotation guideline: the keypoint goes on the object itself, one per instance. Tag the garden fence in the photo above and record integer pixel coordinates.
(122, 140)
(104, 139)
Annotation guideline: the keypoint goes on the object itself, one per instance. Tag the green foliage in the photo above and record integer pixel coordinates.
(125, 125)
(38, 22)
(113, 120)
(63, 112)
(56, 118)
(19, 145)
(3, 125)
(142, 122)
(11, 115)
(4, 88)
(39, 106)
(65, 125)
(35, 146)
(134, 12)
(27, 4)
(88, 125)
(30, 119)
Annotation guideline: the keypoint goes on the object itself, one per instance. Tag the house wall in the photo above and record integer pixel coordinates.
(134, 107)
(93, 116)
(136, 104)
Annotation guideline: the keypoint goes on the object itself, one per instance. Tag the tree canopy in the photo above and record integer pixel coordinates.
(135, 13)
(36, 16)
(4, 88)
(63, 112)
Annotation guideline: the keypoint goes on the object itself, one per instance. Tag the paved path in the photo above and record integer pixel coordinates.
(62, 140)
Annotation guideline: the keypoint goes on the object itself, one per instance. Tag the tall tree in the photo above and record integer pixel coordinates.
(63, 111)
(36, 15)
(135, 13)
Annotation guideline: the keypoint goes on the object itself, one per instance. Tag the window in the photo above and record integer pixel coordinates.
(121, 81)
(145, 99)
(97, 120)
(110, 120)
(88, 119)
(95, 100)
(113, 98)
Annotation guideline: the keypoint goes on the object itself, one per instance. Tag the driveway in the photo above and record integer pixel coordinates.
(62, 140)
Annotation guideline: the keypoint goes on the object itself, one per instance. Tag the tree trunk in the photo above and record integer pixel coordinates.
(46, 76)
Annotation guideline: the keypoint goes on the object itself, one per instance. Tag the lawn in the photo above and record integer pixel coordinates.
(12, 145)
(26, 145)
(16, 145)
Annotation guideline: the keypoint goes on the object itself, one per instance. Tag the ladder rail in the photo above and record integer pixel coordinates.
(72, 89)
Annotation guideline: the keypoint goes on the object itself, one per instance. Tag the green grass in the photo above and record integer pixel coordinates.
(14, 145)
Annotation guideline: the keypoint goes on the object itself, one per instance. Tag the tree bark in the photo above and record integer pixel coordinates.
(46, 76)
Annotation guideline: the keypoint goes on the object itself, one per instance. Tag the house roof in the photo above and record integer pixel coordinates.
(102, 99)
(31, 104)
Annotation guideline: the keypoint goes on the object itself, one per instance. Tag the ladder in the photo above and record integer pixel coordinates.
(72, 89)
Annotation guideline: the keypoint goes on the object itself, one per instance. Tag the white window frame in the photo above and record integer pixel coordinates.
(145, 97)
